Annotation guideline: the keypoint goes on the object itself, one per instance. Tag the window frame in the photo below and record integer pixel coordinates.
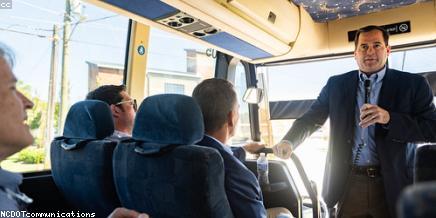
(225, 69)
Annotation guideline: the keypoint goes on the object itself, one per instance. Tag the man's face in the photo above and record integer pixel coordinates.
(371, 52)
(14, 133)
(127, 114)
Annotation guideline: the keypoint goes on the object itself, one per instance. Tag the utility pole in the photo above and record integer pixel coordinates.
(65, 63)
(51, 104)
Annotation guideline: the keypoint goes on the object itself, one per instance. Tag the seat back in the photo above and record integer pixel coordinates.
(161, 172)
(425, 162)
(418, 201)
(82, 159)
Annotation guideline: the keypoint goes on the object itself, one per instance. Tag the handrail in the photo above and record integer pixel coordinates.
(307, 184)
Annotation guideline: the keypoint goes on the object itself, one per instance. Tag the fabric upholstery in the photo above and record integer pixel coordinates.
(161, 172)
(90, 119)
(418, 201)
(179, 114)
(82, 167)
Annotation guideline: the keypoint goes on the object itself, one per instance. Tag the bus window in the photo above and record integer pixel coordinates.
(176, 65)
(415, 61)
(94, 55)
(242, 134)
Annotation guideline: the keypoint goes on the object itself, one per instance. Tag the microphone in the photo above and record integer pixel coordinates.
(367, 85)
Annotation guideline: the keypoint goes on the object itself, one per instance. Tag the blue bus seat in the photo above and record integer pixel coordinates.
(161, 172)
(418, 201)
(81, 159)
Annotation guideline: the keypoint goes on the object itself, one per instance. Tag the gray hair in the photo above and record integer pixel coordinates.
(216, 98)
(7, 54)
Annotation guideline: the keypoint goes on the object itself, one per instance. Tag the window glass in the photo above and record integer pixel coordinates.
(414, 61)
(174, 88)
(301, 81)
(242, 133)
(176, 65)
(94, 56)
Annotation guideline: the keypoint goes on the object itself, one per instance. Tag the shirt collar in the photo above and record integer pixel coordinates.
(379, 75)
(225, 147)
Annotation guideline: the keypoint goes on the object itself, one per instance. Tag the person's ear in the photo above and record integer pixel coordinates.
(230, 119)
(115, 111)
(388, 50)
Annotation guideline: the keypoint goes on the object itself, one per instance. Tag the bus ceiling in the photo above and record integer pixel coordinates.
(272, 31)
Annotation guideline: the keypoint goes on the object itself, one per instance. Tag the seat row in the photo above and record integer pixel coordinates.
(159, 170)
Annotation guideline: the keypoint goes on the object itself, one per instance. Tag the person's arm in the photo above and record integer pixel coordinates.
(251, 147)
(239, 153)
(244, 194)
(304, 126)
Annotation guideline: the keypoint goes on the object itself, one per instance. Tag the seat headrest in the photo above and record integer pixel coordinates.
(169, 119)
(90, 119)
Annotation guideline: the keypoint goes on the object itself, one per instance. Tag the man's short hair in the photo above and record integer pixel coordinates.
(111, 94)
(368, 29)
(7, 55)
(216, 97)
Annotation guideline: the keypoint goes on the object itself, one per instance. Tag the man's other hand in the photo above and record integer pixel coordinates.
(283, 149)
(253, 147)
(122, 212)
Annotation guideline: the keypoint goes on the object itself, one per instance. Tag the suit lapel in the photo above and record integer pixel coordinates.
(351, 88)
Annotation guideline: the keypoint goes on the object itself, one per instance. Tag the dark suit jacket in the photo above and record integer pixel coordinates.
(242, 188)
(409, 101)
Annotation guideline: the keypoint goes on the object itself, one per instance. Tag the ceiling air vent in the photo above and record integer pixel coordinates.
(186, 23)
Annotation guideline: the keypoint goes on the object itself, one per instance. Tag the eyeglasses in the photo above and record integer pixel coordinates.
(131, 101)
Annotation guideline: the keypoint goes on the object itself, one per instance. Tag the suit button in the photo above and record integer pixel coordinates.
(349, 141)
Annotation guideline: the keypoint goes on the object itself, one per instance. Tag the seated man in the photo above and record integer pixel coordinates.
(218, 103)
(123, 107)
(15, 135)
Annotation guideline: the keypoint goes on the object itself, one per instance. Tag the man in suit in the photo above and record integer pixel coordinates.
(373, 113)
(15, 135)
(220, 109)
